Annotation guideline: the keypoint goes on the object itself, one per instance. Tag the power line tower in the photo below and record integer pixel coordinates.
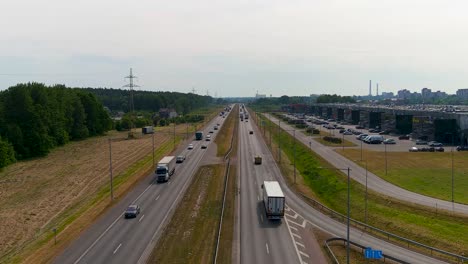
(131, 85)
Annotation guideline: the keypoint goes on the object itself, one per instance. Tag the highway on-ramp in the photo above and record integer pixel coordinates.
(374, 182)
(113, 239)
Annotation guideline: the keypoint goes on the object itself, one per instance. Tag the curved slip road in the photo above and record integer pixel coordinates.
(374, 182)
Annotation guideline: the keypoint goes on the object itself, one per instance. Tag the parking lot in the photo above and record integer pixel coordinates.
(400, 146)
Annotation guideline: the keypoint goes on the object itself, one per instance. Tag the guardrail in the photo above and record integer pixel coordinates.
(226, 180)
(364, 227)
(360, 246)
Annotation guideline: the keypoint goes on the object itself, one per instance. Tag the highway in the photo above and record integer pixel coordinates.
(301, 216)
(113, 239)
(374, 182)
(262, 240)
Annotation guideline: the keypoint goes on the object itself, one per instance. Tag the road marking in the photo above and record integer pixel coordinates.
(115, 251)
(304, 254)
(303, 225)
(296, 235)
(141, 218)
(268, 250)
(300, 244)
(261, 217)
(293, 228)
(108, 228)
(157, 198)
(169, 183)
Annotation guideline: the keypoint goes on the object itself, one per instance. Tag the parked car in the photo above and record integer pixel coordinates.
(389, 141)
(421, 142)
(180, 159)
(385, 132)
(359, 127)
(132, 211)
(342, 131)
(190, 146)
(374, 139)
(439, 149)
(413, 149)
(361, 136)
(435, 144)
(404, 137)
(347, 132)
(462, 148)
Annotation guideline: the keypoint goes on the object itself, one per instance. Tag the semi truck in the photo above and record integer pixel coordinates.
(165, 168)
(199, 135)
(273, 200)
(147, 130)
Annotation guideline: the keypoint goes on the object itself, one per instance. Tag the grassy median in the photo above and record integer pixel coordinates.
(425, 225)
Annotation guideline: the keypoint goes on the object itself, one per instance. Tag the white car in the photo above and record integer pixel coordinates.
(413, 149)
(190, 146)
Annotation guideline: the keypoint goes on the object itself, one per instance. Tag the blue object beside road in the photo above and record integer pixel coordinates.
(372, 254)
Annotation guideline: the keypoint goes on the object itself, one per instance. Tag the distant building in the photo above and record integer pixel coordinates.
(426, 93)
(462, 93)
(404, 94)
(167, 113)
(386, 95)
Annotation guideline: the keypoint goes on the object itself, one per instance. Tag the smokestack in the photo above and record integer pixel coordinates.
(370, 87)
(377, 89)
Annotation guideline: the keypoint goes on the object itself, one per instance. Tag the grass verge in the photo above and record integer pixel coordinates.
(428, 173)
(347, 143)
(223, 139)
(190, 236)
(424, 225)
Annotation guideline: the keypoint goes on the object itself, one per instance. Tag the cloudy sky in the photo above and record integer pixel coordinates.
(236, 47)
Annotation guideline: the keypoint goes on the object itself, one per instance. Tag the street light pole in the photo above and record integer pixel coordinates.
(365, 215)
(153, 149)
(385, 159)
(453, 198)
(361, 149)
(294, 132)
(347, 225)
(279, 141)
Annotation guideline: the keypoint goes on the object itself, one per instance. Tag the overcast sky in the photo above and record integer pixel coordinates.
(236, 47)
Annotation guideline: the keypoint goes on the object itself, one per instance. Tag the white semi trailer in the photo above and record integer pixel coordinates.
(273, 199)
(165, 168)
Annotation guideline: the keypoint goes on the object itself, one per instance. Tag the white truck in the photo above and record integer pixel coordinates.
(165, 168)
(273, 199)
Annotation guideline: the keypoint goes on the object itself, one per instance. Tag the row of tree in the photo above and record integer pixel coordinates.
(120, 100)
(328, 98)
(35, 118)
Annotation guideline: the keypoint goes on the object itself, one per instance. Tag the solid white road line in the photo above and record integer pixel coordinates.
(268, 250)
(141, 218)
(115, 251)
(108, 228)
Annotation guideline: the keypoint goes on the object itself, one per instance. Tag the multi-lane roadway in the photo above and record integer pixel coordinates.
(113, 239)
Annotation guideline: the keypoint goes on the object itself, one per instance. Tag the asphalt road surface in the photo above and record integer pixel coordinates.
(113, 239)
(262, 240)
(306, 216)
(374, 182)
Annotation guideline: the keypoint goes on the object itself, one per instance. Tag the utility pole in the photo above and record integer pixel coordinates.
(110, 170)
(174, 134)
(294, 132)
(153, 148)
(279, 141)
(131, 85)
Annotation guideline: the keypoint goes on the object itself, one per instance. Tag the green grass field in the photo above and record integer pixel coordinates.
(428, 173)
(329, 186)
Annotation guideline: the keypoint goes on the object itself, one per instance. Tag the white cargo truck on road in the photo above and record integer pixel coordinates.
(273, 199)
(165, 168)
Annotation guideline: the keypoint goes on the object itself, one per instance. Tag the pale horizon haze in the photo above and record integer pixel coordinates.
(236, 48)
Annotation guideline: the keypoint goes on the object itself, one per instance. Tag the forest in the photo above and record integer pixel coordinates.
(35, 118)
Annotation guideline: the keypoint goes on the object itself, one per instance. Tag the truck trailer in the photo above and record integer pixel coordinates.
(165, 168)
(273, 200)
(147, 130)
(199, 135)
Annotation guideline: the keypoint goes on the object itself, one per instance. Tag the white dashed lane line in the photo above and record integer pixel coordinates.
(117, 249)
(141, 218)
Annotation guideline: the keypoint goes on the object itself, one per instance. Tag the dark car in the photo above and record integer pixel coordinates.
(204, 146)
(462, 148)
(439, 149)
(250, 132)
(180, 159)
(385, 132)
(132, 211)
(404, 137)
(421, 142)
(359, 127)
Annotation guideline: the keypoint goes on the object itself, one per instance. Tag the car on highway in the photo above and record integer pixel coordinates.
(180, 159)
(404, 137)
(132, 211)
(413, 149)
(215, 128)
(204, 146)
(389, 141)
(250, 132)
(190, 146)
(211, 131)
(208, 138)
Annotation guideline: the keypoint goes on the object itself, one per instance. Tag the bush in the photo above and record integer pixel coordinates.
(332, 139)
(301, 126)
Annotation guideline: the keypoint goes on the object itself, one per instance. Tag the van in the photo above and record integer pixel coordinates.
(208, 138)
(374, 139)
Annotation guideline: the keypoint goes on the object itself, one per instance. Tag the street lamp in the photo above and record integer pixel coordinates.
(347, 223)
(110, 170)
(385, 145)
